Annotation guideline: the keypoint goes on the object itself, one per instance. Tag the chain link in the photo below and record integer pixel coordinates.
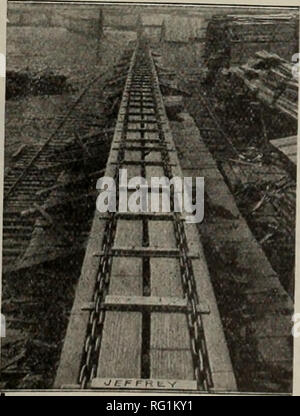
(97, 315)
(198, 345)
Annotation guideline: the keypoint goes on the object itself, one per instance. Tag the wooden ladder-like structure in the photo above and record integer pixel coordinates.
(145, 315)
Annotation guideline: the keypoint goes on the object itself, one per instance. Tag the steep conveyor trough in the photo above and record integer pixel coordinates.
(144, 315)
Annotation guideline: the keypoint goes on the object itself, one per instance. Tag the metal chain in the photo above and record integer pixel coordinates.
(92, 345)
(198, 345)
(97, 315)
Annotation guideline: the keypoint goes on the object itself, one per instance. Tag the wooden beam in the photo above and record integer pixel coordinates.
(170, 354)
(120, 352)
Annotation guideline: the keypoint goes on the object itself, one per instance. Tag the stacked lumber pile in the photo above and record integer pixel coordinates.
(236, 37)
(271, 78)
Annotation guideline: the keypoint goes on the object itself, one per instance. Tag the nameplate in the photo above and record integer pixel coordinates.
(143, 384)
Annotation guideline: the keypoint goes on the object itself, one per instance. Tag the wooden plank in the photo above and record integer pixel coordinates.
(170, 282)
(146, 302)
(153, 171)
(70, 362)
(145, 252)
(263, 279)
(132, 155)
(285, 141)
(151, 136)
(153, 156)
(290, 150)
(133, 135)
(120, 352)
(218, 354)
(287, 146)
(132, 172)
(146, 215)
(126, 276)
(170, 354)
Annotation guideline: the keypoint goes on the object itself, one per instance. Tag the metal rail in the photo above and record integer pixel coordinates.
(37, 167)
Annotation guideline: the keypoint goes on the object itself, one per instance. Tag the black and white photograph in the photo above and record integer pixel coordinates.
(149, 198)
